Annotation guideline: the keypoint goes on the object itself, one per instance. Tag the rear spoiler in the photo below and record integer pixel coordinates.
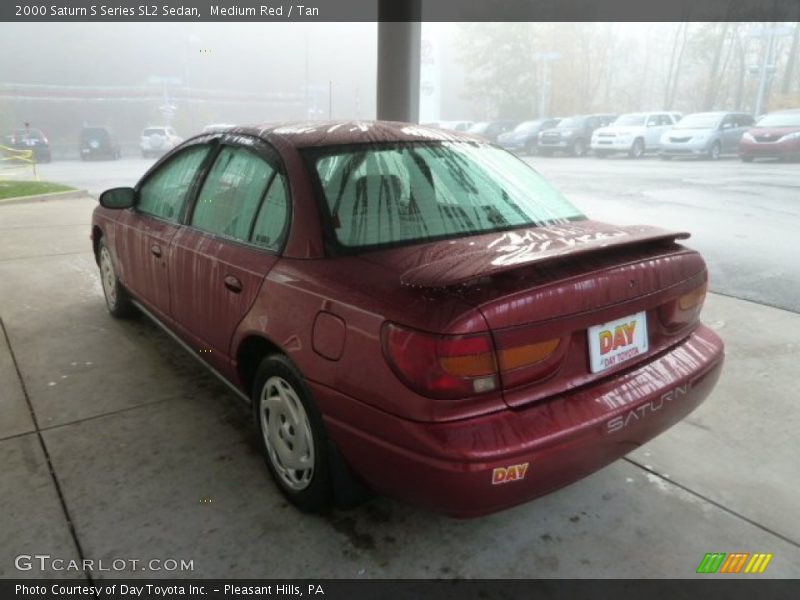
(514, 250)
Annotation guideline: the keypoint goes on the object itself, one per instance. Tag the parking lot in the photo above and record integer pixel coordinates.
(117, 444)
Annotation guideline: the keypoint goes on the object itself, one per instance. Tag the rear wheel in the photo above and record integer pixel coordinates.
(302, 459)
(637, 150)
(117, 300)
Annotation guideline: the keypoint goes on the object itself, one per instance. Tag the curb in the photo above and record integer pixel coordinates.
(45, 197)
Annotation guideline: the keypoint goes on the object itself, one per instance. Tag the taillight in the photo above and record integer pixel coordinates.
(681, 312)
(464, 365)
(441, 366)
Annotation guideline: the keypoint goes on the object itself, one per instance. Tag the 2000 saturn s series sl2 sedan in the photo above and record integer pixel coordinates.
(410, 310)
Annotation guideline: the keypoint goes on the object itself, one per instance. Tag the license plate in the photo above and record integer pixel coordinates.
(616, 342)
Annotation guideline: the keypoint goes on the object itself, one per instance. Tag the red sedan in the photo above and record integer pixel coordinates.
(410, 310)
(776, 135)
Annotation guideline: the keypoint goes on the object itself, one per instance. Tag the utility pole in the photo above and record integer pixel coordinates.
(767, 67)
(545, 60)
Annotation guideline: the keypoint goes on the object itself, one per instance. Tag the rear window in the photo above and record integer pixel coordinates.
(388, 194)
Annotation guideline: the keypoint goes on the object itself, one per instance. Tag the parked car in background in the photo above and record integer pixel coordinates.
(98, 142)
(489, 130)
(30, 139)
(705, 135)
(633, 133)
(156, 141)
(452, 125)
(775, 135)
(572, 135)
(524, 138)
(410, 309)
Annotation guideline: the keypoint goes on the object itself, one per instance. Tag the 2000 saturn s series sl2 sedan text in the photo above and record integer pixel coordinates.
(409, 310)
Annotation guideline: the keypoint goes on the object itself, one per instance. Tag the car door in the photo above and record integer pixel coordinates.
(146, 230)
(231, 240)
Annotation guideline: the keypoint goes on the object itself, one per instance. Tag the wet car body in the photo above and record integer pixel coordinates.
(497, 427)
(776, 135)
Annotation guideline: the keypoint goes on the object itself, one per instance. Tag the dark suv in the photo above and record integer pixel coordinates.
(98, 142)
(573, 134)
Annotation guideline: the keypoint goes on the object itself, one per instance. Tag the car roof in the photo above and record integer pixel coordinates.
(306, 134)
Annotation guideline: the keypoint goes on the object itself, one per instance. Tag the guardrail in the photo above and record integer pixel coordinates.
(15, 163)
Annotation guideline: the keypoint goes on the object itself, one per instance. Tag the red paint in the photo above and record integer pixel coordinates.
(438, 453)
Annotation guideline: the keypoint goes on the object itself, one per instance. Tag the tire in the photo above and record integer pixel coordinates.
(714, 151)
(578, 148)
(292, 434)
(637, 150)
(118, 301)
(746, 158)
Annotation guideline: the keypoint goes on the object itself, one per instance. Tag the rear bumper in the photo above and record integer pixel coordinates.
(453, 467)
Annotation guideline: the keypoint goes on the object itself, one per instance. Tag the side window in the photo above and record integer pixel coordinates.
(273, 217)
(163, 194)
(666, 120)
(653, 120)
(231, 193)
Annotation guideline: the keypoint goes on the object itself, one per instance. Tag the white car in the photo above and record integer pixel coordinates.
(156, 141)
(633, 133)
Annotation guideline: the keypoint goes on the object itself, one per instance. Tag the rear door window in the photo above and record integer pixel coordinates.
(232, 193)
(162, 195)
(273, 216)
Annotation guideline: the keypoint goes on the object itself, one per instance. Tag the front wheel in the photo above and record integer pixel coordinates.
(117, 300)
(578, 148)
(714, 151)
(302, 459)
(637, 150)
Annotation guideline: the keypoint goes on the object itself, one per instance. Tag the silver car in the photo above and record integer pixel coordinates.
(705, 135)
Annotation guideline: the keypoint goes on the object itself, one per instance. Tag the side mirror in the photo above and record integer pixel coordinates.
(121, 197)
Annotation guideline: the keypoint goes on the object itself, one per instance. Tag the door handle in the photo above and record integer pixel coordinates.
(233, 284)
(156, 250)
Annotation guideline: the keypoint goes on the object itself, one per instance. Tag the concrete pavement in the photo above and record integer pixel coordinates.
(117, 444)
